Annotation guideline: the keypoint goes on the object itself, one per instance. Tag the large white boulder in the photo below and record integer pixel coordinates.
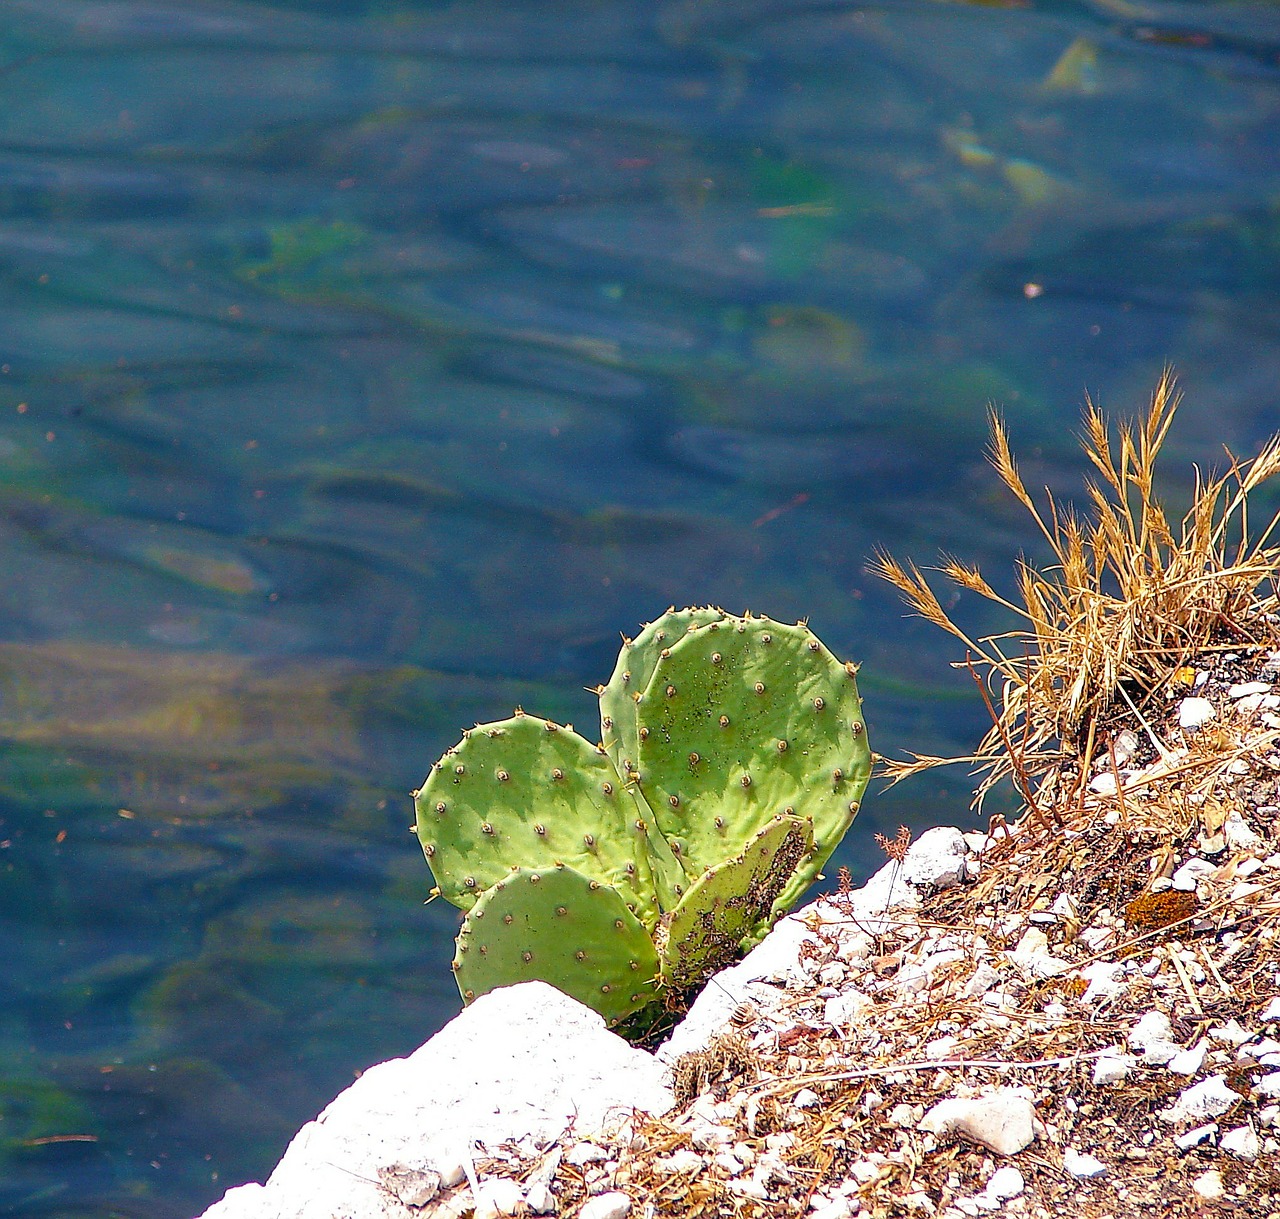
(523, 1063)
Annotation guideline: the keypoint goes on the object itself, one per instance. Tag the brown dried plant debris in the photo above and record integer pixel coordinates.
(1126, 605)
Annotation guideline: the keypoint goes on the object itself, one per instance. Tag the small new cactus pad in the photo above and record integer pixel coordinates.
(619, 726)
(728, 902)
(558, 926)
(744, 719)
(527, 791)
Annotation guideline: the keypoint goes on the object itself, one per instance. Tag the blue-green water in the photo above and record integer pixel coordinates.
(365, 368)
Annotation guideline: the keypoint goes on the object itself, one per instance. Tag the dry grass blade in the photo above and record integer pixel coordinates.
(1125, 602)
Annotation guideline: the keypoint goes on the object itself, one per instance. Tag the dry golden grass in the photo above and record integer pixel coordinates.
(1126, 603)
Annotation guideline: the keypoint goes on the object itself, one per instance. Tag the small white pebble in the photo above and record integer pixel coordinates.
(1242, 1142)
(1193, 1138)
(613, 1205)
(806, 1098)
(1192, 712)
(1082, 1164)
(1209, 1185)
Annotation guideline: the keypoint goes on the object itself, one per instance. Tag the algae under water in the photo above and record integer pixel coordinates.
(366, 367)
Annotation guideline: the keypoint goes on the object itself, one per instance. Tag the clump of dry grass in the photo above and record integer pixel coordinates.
(1126, 603)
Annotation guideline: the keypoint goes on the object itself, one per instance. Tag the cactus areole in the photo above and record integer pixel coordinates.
(733, 758)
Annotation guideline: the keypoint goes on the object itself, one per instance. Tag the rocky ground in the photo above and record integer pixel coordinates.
(1078, 1015)
(1075, 1019)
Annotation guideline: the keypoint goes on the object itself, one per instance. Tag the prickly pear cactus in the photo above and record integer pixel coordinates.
(733, 759)
(527, 791)
(727, 902)
(743, 719)
(558, 926)
(619, 724)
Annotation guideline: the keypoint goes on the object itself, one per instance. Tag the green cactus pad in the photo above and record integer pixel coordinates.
(558, 926)
(530, 792)
(728, 903)
(744, 719)
(636, 660)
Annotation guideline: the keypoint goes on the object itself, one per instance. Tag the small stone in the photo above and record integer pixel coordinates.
(613, 1205)
(838, 1208)
(727, 1162)
(1268, 1085)
(1005, 1183)
(1193, 1138)
(498, 1196)
(1152, 1038)
(1245, 688)
(1238, 834)
(1271, 1013)
(984, 978)
(1003, 1120)
(1112, 1069)
(708, 1136)
(1106, 980)
(1194, 870)
(806, 1098)
(1231, 1033)
(1242, 1142)
(846, 1008)
(1104, 784)
(1189, 1061)
(832, 974)
(1207, 1099)
(1209, 1185)
(1192, 712)
(678, 1162)
(1082, 1164)
(541, 1200)
(585, 1153)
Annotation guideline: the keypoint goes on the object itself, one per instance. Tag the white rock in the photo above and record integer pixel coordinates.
(680, 1161)
(1106, 979)
(837, 1208)
(1104, 784)
(1033, 958)
(522, 1061)
(806, 1098)
(1239, 836)
(585, 1153)
(1112, 1068)
(540, 1199)
(1209, 1185)
(1243, 688)
(1003, 1120)
(1268, 1085)
(1152, 1038)
(1082, 1164)
(1189, 1061)
(499, 1196)
(936, 860)
(902, 1116)
(983, 979)
(1192, 712)
(1194, 870)
(1242, 1142)
(1005, 1183)
(727, 1162)
(1208, 1099)
(846, 1008)
(1231, 1033)
(613, 1205)
(1193, 1138)
(707, 1136)
(1271, 1013)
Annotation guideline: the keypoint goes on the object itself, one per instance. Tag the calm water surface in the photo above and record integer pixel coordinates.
(365, 368)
